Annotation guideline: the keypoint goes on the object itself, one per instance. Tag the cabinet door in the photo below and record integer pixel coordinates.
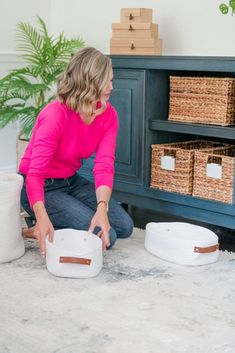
(128, 99)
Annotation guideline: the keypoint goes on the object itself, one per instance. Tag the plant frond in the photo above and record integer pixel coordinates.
(20, 85)
(25, 91)
(52, 73)
(8, 116)
(42, 26)
(30, 42)
(64, 48)
(32, 71)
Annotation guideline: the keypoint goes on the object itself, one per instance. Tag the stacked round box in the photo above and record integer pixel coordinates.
(178, 175)
(135, 34)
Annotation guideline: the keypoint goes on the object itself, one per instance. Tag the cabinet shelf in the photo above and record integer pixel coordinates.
(185, 206)
(177, 198)
(227, 132)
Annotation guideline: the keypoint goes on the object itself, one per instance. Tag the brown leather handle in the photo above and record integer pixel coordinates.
(206, 250)
(75, 260)
(131, 17)
(131, 28)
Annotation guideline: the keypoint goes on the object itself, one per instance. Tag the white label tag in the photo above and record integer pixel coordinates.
(168, 162)
(214, 170)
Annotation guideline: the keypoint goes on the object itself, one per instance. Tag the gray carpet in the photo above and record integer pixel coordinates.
(137, 304)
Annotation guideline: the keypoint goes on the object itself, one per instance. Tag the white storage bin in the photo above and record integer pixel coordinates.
(74, 254)
(11, 241)
(182, 243)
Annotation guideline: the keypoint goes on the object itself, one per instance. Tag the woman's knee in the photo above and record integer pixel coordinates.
(125, 227)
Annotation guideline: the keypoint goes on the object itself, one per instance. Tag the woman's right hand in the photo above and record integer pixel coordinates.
(42, 228)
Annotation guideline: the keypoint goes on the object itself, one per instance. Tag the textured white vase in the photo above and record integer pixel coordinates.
(11, 241)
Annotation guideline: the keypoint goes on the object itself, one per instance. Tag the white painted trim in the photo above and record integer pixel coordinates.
(8, 169)
(11, 57)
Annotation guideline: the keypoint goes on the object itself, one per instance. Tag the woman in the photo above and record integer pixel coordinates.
(81, 122)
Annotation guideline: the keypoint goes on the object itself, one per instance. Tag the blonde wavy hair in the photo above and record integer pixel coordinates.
(84, 81)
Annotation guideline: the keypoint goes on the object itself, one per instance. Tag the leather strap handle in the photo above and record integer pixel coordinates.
(131, 17)
(74, 260)
(206, 250)
(131, 28)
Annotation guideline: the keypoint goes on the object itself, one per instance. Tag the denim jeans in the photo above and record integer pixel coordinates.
(71, 203)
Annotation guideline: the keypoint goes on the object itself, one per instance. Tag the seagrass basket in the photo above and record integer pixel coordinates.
(172, 165)
(204, 100)
(214, 174)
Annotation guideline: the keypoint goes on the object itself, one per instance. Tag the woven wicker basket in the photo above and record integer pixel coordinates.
(211, 187)
(205, 100)
(180, 179)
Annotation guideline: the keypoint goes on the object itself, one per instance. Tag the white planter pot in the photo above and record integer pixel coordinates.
(20, 149)
(182, 243)
(74, 253)
(11, 241)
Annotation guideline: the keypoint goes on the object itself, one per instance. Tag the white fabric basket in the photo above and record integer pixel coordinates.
(11, 241)
(182, 243)
(74, 254)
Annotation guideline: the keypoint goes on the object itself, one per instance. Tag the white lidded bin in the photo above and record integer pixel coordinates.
(74, 253)
(182, 243)
(11, 241)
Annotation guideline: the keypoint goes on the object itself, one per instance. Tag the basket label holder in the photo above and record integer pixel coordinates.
(168, 162)
(214, 167)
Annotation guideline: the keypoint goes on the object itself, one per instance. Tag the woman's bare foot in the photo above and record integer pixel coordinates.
(28, 233)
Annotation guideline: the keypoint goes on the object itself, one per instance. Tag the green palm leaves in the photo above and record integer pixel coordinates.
(25, 91)
(225, 8)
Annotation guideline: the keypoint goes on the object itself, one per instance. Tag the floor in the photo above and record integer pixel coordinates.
(138, 303)
(143, 216)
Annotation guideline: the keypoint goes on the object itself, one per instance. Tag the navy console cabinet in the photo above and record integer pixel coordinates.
(141, 97)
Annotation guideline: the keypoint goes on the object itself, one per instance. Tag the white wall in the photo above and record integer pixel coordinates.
(12, 12)
(187, 27)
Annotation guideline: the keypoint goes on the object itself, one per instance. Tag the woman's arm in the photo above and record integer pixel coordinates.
(48, 130)
(43, 226)
(103, 174)
(100, 218)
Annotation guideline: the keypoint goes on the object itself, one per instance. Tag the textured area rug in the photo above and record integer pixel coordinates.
(138, 303)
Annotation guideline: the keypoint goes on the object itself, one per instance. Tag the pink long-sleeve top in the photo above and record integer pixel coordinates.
(60, 139)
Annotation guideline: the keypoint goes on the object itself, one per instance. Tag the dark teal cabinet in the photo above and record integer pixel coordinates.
(141, 97)
(128, 99)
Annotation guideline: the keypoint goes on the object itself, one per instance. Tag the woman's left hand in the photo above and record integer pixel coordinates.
(100, 220)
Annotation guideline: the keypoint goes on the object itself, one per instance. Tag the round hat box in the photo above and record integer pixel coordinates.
(182, 243)
(74, 253)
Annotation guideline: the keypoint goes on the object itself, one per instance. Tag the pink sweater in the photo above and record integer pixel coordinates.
(60, 139)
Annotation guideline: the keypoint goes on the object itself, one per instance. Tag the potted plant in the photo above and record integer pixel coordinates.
(25, 91)
(224, 8)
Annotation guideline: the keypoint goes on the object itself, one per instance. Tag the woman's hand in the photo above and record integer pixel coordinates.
(100, 220)
(42, 228)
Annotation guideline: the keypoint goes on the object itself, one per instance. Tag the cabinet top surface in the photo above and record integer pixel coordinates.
(197, 63)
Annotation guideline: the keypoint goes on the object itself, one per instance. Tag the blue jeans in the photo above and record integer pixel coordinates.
(71, 203)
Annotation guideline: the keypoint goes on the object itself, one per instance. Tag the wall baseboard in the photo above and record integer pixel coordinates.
(10, 57)
(8, 169)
